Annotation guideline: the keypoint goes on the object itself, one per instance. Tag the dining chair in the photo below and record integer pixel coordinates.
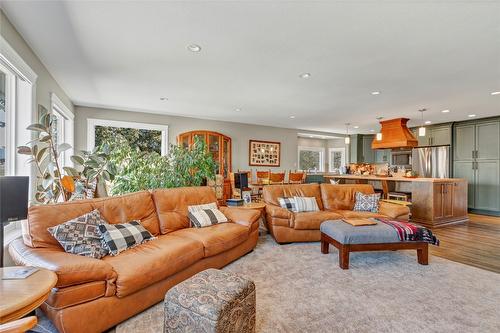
(276, 178)
(296, 177)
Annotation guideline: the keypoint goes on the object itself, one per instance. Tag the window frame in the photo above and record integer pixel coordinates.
(344, 157)
(93, 122)
(61, 111)
(321, 157)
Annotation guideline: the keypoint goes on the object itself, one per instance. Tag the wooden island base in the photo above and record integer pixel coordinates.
(345, 249)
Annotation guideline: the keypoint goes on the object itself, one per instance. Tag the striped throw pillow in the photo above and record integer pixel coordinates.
(205, 215)
(305, 204)
(120, 237)
(287, 203)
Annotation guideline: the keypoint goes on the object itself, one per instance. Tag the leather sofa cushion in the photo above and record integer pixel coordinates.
(271, 193)
(153, 261)
(63, 297)
(216, 238)
(353, 214)
(342, 196)
(312, 220)
(118, 209)
(171, 205)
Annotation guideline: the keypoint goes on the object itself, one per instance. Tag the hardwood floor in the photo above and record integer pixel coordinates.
(476, 243)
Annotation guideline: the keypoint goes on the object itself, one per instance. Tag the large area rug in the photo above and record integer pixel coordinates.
(301, 290)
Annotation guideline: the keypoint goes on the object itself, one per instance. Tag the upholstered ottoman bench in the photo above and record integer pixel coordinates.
(380, 237)
(211, 301)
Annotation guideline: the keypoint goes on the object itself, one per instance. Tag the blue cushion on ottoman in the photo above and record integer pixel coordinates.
(345, 233)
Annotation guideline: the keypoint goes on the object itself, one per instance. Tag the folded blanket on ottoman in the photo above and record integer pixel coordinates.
(410, 232)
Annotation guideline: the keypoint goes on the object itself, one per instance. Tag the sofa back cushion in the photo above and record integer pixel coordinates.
(342, 196)
(172, 205)
(271, 193)
(119, 209)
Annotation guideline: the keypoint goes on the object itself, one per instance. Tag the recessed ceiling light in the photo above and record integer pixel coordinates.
(445, 111)
(375, 92)
(496, 93)
(427, 122)
(292, 117)
(305, 75)
(311, 136)
(471, 115)
(237, 109)
(356, 127)
(194, 48)
(372, 130)
(163, 98)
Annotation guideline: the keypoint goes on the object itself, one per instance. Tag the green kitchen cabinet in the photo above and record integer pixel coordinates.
(487, 183)
(368, 152)
(466, 170)
(488, 141)
(464, 144)
(434, 135)
(383, 156)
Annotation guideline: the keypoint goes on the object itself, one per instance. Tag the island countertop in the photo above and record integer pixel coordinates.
(394, 179)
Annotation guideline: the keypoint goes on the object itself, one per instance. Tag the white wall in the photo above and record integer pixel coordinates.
(239, 133)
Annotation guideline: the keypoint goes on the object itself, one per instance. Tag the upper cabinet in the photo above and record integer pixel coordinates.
(217, 144)
(368, 152)
(477, 141)
(434, 135)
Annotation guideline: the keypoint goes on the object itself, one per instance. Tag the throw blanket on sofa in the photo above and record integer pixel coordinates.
(410, 232)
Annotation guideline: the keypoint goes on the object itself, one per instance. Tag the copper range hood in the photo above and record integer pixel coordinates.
(395, 135)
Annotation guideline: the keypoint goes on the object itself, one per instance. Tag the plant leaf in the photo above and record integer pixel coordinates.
(37, 128)
(71, 171)
(63, 147)
(24, 150)
(77, 159)
(68, 183)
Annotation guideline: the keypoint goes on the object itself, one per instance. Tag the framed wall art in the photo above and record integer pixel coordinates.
(264, 153)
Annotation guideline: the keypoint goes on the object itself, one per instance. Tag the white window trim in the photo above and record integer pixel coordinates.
(69, 124)
(321, 157)
(92, 123)
(15, 62)
(330, 162)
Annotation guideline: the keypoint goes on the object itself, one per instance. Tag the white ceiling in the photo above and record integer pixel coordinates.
(126, 55)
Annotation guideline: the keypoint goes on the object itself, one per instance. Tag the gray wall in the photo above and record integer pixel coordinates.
(45, 83)
(239, 133)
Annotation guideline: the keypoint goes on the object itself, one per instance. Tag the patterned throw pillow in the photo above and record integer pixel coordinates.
(81, 235)
(367, 202)
(120, 237)
(305, 204)
(287, 203)
(205, 215)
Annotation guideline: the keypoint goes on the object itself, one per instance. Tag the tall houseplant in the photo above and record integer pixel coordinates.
(54, 182)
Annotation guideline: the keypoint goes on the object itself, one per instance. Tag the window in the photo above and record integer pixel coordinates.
(336, 159)
(311, 159)
(62, 127)
(3, 132)
(147, 137)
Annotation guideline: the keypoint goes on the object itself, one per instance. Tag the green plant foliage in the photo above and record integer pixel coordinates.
(145, 140)
(138, 170)
(55, 182)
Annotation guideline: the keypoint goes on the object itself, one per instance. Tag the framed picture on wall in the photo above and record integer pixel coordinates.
(264, 153)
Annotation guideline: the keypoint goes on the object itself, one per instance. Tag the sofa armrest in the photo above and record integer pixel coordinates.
(394, 211)
(276, 212)
(71, 269)
(247, 217)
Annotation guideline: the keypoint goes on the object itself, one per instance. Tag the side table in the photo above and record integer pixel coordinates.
(20, 297)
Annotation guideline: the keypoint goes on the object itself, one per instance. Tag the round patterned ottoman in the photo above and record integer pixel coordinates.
(211, 301)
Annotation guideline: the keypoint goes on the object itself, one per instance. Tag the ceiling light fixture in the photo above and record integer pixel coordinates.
(347, 139)
(163, 98)
(496, 93)
(194, 48)
(427, 122)
(378, 136)
(305, 75)
(356, 127)
(292, 117)
(471, 115)
(372, 130)
(237, 109)
(375, 92)
(421, 129)
(445, 111)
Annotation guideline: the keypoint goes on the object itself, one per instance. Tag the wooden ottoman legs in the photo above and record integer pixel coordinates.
(345, 249)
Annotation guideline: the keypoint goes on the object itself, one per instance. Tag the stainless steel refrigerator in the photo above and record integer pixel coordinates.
(431, 161)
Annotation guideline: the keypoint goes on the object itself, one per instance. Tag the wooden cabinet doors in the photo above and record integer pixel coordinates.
(443, 200)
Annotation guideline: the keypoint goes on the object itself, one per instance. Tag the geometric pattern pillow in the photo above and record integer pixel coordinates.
(287, 203)
(206, 217)
(81, 235)
(120, 237)
(305, 204)
(367, 202)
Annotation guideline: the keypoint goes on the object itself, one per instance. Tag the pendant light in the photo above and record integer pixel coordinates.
(421, 129)
(379, 134)
(347, 139)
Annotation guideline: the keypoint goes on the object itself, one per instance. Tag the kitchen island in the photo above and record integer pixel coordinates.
(435, 201)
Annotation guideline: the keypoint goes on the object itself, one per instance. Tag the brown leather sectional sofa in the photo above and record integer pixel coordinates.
(93, 295)
(334, 201)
